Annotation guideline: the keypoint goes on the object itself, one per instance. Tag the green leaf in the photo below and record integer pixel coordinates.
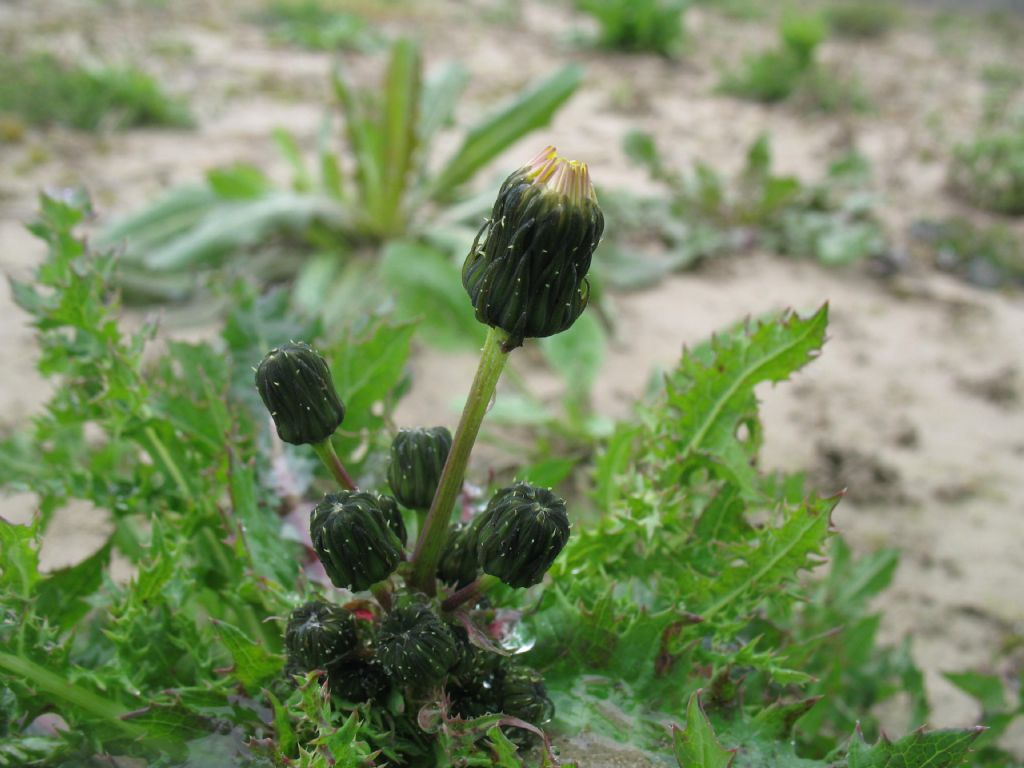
(289, 148)
(254, 664)
(921, 749)
(696, 746)
(62, 595)
(427, 287)
(487, 139)
(239, 182)
(715, 400)
(773, 559)
(259, 529)
(548, 473)
(577, 355)
(437, 104)
(987, 689)
(368, 367)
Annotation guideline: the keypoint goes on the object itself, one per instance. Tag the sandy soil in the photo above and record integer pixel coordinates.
(916, 404)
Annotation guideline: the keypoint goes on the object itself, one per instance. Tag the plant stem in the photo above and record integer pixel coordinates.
(329, 457)
(469, 592)
(57, 687)
(435, 529)
(165, 456)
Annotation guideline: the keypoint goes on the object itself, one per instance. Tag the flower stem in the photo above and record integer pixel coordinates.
(435, 528)
(329, 457)
(471, 591)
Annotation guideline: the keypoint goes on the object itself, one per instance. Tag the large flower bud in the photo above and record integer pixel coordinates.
(417, 458)
(318, 635)
(296, 386)
(358, 537)
(522, 694)
(526, 272)
(521, 533)
(458, 564)
(415, 647)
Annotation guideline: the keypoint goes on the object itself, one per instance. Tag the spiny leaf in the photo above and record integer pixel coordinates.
(696, 746)
(714, 402)
(254, 664)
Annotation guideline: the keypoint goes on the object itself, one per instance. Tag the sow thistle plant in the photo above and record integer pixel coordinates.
(666, 609)
(424, 635)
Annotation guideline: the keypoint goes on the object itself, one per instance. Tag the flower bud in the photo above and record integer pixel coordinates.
(526, 272)
(458, 565)
(415, 646)
(417, 458)
(358, 681)
(358, 536)
(318, 635)
(296, 386)
(521, 533)
(522, 694)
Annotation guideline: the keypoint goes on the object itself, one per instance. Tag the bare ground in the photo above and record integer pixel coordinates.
(917, 403)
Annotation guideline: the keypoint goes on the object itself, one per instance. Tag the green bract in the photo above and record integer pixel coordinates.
(415, 647)
(526, 271)
(459, 564)
(296, 386)
(417, 458)
(521, 533)
(358, 537)
(318, 635)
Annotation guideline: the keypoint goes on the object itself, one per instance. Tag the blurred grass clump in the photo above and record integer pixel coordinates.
(316, 26)
(988, 256)
(989, 172)
(862, 20)
(773, 75)
(40, 90)
(653, 26)
(791, 71)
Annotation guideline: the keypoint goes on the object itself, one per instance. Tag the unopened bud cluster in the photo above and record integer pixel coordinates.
(526, 277)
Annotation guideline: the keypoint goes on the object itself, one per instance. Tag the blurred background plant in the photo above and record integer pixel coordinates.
(40, 90)
(792, 71)
(833, 221)
(989, 172)
(340, 227)
(988, 256)
(652, 26)
(317, 25)
(867, 20)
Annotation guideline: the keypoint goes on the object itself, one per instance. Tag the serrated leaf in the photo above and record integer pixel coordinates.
(715, 401)
(254, 664)
(61, 595)
(260, 530)
(775, 559)
(922, 749)
(696, 745)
